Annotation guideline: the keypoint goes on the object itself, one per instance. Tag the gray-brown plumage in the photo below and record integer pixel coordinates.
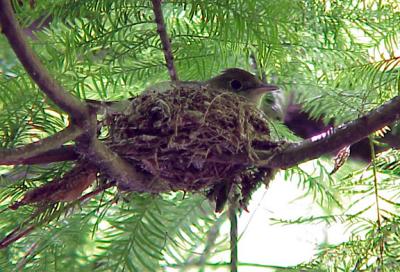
(233, 80)
(187, 135)
(243, 83)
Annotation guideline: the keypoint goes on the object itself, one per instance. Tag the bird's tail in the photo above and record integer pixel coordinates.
(67, 188)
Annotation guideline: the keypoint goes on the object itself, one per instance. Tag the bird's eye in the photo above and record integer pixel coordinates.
(236, 85)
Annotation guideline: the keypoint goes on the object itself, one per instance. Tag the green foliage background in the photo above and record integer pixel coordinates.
(110, 50)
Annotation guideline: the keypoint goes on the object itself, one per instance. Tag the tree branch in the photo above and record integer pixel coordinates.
(125, 174)
(18, 233)
(122, 171)
(62, 153)
(22, 154)
(345, 134)
(23, 261)
(67, 102)
(98, 153)
(233, 218)
(162, 31)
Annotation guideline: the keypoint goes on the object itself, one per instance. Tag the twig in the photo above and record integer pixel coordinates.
(18, 233)
(67, 102)
(345, 134)
(118, 169)
(99, 154)
(162, 31)
(15, 235)
(378, 210)
(24, 259)
(62, 153)
(217, 265)
(390, 139)
(232, 212)
(212, 236)
(257, 69)
(96, 192)
(21, 154)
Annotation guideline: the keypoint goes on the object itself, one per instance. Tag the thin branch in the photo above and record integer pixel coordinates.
(98, 153)
(210, 244)
(15, 235)
(162, 31)
(62, 153)
(19, 233)
(121, 171)
(345, 134)
(100, 189)
(378, 210)
(22, 262)
(232, 212)
(257, 68)
(392, 140)
(22, 154)
(67, 102)
(222, 264)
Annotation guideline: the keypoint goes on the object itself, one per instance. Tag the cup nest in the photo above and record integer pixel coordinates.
(192, 139)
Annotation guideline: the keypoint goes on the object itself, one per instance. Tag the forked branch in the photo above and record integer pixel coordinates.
(67, 102)
(22, 154)
(79, 112)
(291, 155)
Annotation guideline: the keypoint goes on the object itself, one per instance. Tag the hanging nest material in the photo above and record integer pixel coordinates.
(193, 139)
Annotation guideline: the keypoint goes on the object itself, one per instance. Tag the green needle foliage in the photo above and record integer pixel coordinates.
(339, 58)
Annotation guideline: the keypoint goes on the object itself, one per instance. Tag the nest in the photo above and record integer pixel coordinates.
(192, 139)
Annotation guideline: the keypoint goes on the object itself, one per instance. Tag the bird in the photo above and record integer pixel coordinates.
(247, 85)
(234, 80)
(242, 83)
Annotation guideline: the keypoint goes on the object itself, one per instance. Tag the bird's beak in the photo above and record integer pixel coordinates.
(265, 87)
(257, 93)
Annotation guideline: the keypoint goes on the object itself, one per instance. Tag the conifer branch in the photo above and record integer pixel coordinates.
(20, 232)
(117, 169)
(346, 134)
(23, 261)
(79, 112)
(21, 155)
(165, 41)
(293, 153)
(67, 102)
(15, 235)
(233, 218)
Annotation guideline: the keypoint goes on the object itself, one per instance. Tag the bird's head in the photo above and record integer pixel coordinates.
(242, 83)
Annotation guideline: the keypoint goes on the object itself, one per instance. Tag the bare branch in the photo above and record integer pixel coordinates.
(67, 102)
(162, 31)
(346, 134)
(99, 153)
(62, 153)
(18, 233)
(15, 235)
(22, 262)
(211, 240)
(118, 169)
(232, 213)
(22, 154)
